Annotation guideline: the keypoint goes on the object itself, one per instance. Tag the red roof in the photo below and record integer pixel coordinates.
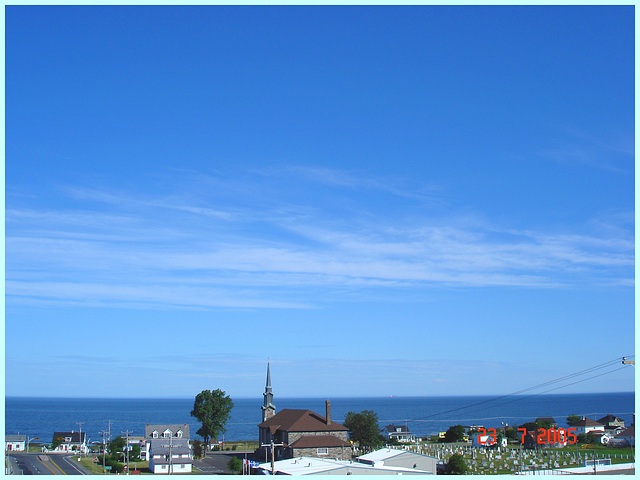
(293, 420)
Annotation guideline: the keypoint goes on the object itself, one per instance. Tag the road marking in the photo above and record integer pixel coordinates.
(57, 466)
(43, 463)
(75, 467)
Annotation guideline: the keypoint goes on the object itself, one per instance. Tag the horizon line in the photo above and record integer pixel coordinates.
(311, 397)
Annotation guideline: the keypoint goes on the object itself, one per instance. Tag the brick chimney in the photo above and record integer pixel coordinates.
(328, 403)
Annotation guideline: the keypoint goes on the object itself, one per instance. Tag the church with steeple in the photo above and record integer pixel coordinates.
(300, 433)
(268, 408)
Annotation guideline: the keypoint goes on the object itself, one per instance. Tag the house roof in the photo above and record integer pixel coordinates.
(15, 438)
(161, 446)
(610, 418)
(628, 432)
(586, 422)
(75, 436)
(294, 420)
(397, 428)
(149, 429)
(545, 419)
(315, 441)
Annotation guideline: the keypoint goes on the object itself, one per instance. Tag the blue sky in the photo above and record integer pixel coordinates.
(383, 200)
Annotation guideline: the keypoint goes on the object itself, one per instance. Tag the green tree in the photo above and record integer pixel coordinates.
(573, 419)
(117, 445)
(363, 428)
(546, 424)
(56, 441)
(592, 438)
(135, 451)
(456, 465)
(530, 426)
(454, 434)
(512, 433)
(235, 464)
(581, 438)
(198, 451)
(212, 409)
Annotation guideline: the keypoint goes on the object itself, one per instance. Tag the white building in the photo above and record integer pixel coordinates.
(628, 434)
(587, 425)
(478, 440)
(400, 433)
(70, 442)
(169, 455)
(326, 466)
(175, 431)
(395, 457)
(15, 443)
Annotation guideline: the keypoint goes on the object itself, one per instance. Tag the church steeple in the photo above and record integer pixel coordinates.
(268, 408)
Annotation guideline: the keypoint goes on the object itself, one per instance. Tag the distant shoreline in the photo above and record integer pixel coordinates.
(315, 397)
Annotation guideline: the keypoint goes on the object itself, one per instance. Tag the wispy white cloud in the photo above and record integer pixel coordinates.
(131, 248)
(582, 149)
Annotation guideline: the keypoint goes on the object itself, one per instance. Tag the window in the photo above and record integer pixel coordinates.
(323, 451)
(155, 434)
(167, 433)
(179, 434)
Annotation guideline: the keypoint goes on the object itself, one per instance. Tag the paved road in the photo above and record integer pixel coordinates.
(39, 464)
(215, 463)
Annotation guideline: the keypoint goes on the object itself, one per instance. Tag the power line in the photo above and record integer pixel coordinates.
(551, 382)
(557, 388)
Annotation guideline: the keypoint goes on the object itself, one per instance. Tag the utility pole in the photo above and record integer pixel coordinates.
(272, 445)
(80, 433)
(104, 449)
(126, 446)
(170, 453)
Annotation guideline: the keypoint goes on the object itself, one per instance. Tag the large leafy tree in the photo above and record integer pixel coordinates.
(198, 450)
(212, 409)
(454, 434)
(572, 419)
(364, 428)
(456, 465)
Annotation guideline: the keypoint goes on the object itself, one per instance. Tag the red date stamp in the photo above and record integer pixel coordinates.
(490, 438)
(553, 435)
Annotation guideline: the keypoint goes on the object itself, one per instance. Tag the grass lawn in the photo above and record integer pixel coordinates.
(96, 468)
(228, 446)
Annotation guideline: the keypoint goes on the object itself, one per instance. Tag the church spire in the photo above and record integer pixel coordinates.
(268, 408)
(268, 386)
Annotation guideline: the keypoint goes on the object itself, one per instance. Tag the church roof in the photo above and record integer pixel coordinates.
(315, 441)
(294, 420)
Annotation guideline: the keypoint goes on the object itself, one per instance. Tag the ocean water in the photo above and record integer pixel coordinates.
(40, 417)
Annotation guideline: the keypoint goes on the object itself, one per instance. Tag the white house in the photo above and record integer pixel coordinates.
(70, 442)
(478, 440)
(169, 455)
(400, 433)
(628, 434)
(587, 425)
(175, 431)
(15, 443)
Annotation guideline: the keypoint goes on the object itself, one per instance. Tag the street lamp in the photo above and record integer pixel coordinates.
(29, 440)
